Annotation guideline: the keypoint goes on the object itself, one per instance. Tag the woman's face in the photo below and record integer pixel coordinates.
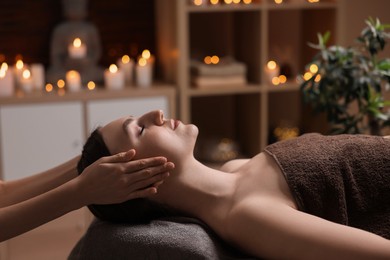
(150, 135)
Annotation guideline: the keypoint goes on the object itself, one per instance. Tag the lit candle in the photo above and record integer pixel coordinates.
(199, 2)
(126, 65)
(77, 50)
(114, 78)
(148, 57)
(144, 73)
(18, 71)
(272, 70)
(38, 76)
(26, 83)
(6, 81)
(91, 85)
(73, 81)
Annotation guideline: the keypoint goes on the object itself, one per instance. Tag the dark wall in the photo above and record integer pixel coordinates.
(125, 26)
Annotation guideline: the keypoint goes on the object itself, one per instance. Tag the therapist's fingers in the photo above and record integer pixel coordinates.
(148, 187)
(119, 157)
(148, 173)
(144, 164)
(148, 182)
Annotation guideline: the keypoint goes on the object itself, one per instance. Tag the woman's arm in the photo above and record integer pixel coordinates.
(111, 179)
(272, 230)
(13, 192)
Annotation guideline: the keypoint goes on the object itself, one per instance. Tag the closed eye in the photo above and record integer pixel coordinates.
(142, 130)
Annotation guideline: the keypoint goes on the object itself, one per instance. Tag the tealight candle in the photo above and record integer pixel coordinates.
(144, 73)
(26, 83)
(126, 65)
(114, 78)
(6, 81)
(77, 50)
(73, 80)
(272, 70)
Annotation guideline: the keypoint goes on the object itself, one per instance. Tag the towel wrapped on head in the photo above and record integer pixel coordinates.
(342, 178)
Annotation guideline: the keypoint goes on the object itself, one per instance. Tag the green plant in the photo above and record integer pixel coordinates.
(348, 77)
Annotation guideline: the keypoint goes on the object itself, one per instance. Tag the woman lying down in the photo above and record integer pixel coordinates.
(313, 197)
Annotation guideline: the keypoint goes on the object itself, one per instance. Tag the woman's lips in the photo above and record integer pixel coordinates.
(175, 123)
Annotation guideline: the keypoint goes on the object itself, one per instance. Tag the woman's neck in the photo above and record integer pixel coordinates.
(198, 190)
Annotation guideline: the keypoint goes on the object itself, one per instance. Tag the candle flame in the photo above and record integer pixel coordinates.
(26, 74)
(278, 1)
(317, 78)
(125, 59)
(19, 64)
(113, 68)
(282, 79)
(211, 59)
(146, 54)
(207, 60)
(60, 83)
(275, 81)
(49, 87)
(215, 59)
(3, 69)
(77, 43)
(214, 2)
(307, 76)
(91, 85)
(198, 2)
(4, 66)
(247, 2)
(313, 68)
(73, 74)
(271, 65)
(142, 62)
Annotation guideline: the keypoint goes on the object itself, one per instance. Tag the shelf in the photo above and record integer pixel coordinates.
(259, 6)
(289, 86)
(225, 90)
(251, 34)
(224, 8)
(99, 93)
(301, 6)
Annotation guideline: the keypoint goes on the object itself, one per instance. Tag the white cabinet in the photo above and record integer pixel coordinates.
(36, 137)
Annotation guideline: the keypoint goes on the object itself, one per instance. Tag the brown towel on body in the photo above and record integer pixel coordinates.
(342, 178)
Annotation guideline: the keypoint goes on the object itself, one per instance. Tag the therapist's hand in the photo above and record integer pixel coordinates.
(115, 179)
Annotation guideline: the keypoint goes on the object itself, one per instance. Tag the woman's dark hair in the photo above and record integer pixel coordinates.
(133, 211)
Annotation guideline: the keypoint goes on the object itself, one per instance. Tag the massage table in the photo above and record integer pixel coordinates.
(169, 238)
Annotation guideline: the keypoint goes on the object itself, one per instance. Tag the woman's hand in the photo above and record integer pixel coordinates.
(115, 179)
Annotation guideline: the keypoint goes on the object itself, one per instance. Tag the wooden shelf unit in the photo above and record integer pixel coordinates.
(251, 33)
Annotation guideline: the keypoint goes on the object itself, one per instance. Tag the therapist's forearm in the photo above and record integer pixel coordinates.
(29, 214)
(16, 191)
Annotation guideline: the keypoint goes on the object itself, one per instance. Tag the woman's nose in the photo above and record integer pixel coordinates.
(158, 117)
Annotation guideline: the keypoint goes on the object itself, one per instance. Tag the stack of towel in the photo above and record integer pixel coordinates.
(227, 72)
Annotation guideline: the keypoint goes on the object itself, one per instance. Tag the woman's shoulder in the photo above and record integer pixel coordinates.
(233, 165)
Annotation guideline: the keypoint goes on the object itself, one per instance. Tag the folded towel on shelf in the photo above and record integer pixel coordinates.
(342, 178)
(226, 67)
(218, 81)
(171, 238)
